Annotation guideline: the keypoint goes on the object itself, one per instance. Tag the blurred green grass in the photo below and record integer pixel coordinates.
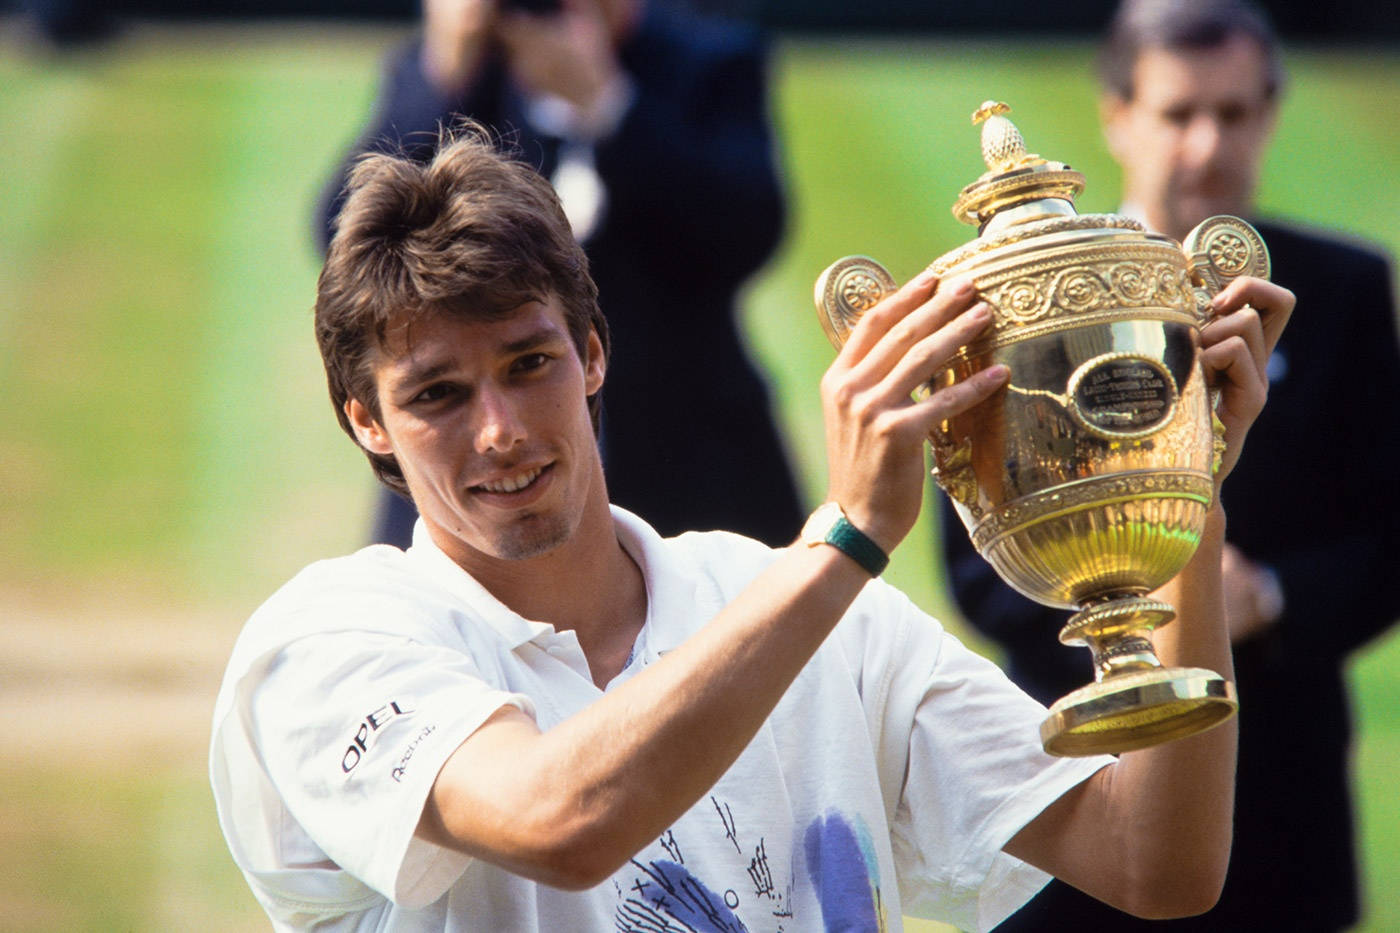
(169, 442)
(166, 405)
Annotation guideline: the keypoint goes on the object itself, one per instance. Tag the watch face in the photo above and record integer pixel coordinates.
(828, 525)
(819, 525)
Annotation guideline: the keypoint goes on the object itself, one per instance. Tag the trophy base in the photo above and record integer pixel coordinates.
(1137, 709)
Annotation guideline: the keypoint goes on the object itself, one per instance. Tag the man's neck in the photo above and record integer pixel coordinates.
(610, 616)
(589, 585)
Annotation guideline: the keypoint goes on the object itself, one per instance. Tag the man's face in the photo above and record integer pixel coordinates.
(488, 420)
(1191, 139)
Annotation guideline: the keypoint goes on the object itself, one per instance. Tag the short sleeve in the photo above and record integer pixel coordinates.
(353, 728)
(974, 776)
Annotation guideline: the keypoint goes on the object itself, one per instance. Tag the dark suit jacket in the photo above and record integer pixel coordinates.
(694, 209)
(1314, 496)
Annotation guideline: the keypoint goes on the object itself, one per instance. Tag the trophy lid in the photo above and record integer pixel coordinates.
(1018, 186)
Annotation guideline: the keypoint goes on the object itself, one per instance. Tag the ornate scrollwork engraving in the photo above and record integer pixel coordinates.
(1021, 300)
(1131, 280)
(1171, 283)
(1081, 289)
(1042, 292)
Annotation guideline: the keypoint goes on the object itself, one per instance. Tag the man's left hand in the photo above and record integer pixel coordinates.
(1250, 315)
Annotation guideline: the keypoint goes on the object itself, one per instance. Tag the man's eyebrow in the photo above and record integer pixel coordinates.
(413, 375)
(533, 339)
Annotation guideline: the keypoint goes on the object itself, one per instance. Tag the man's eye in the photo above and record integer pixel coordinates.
(1233, 114)
(1178, 116)
(433, 393)
(529, 362)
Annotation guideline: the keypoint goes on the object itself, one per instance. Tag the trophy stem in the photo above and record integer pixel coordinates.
(1117, 631)
(1132, 652)
(1134, 701)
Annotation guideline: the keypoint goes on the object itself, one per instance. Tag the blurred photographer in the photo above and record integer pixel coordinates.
(652, 125)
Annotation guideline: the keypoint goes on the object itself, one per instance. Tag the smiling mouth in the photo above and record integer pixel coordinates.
(511, 483)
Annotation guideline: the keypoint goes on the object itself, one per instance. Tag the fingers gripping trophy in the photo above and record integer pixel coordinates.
(1085, 482)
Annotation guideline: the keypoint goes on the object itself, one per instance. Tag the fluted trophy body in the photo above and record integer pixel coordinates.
(1085, 482)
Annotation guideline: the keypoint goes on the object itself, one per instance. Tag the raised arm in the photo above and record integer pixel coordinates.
(570, 805)
(1151, 834)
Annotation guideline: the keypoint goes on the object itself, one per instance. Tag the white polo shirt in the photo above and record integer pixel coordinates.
(885, 782)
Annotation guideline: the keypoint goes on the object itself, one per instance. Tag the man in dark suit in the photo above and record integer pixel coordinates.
(1190, 93)
(652, 125)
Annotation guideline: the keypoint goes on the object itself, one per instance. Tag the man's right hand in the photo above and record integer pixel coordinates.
(1253, 596)
(875, 430)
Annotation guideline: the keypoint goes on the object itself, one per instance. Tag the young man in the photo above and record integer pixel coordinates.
(1190, 95)
(543, 716)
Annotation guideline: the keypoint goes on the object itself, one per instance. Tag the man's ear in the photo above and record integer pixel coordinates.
(594, 366)
(368, 432)
(1271, 120)
(1113, 117)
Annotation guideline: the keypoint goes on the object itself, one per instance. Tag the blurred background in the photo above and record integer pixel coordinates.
(169, 457)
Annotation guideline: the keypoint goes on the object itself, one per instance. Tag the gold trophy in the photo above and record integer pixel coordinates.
(1085, 482)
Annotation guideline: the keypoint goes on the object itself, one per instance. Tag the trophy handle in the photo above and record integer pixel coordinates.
(1221, 249)
(847, 289)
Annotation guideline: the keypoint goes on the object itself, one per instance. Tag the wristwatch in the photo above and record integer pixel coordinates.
(829, 525)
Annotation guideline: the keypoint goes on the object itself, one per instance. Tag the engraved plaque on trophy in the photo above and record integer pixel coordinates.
(1085, 482)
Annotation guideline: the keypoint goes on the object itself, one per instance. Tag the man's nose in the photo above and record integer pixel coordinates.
(1204, 139)
(499, 426)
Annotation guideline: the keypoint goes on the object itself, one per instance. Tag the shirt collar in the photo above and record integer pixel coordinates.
(509, 624)
(671, 584)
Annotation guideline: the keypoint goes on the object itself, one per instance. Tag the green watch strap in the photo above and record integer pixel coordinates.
(851, 541)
